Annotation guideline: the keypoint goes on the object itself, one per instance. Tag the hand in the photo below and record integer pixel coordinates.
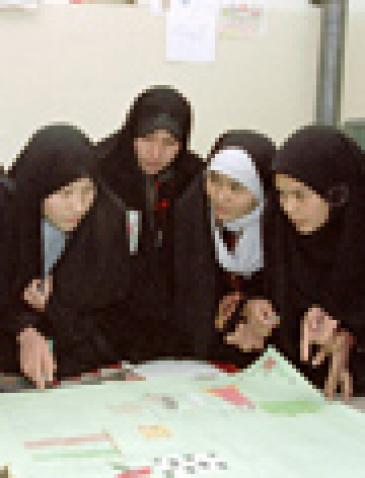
(339, 376)
(245, 338)
(36, 360)
(37, 293)
(226, 308)
(261, 316)
(260, 321)
(318, 327)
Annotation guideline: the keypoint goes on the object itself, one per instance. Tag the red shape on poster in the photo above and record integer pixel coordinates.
(232, 394)
(140, 473)
(269, 364)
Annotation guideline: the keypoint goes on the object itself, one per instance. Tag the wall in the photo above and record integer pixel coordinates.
(85, 63)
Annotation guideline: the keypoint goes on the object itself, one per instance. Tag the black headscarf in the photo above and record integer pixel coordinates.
(159, 107)
(325, 268)
(89, 277)
(54, 156)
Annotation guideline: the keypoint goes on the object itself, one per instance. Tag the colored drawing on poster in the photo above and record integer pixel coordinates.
(231, 394)
(126, 407)
(154, 431)
(166, 401)
(291, 408)
(68, 441)
(76, 454)
(136, 473)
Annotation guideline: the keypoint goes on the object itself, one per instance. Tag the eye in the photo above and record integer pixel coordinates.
(146, 139)
(283, 194)
(213, 178)
(299, 195)
(66, 193)
(88, 190)
(236, 188)
(170, 143)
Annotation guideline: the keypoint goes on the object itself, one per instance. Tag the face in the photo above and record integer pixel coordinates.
(306, 209)
(66, 207)
(229, 199)
(156, 151)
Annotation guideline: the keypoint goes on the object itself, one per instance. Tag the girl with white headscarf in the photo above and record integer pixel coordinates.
(238, 176)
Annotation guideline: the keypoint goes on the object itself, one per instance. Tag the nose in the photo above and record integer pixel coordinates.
(222, 194)
(77, 205)
(290, 205)
(155, 152)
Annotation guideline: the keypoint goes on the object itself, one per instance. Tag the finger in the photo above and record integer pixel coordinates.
(328, 328)
(230, 309)
(29, 369)
(319, 357)
(36, 283)
(29, 293)
(348, 388)
(34, 296)
(304, 342)
(226, 309)
(38, 301)
(222, 318)
(25, 368)
(234, 338)
(241, 338)
(38, 375)
(25, 360)
(314, 318)
(272, 321)
(47, 287)
(35, 299)
(39, 378)
(49, 281)
(330, 387)
(219, 322)
(230, 302)
(265, 311)
(231, 339)
(48, 366)
(334, 377)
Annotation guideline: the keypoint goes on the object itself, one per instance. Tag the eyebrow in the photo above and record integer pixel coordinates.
(292, 188)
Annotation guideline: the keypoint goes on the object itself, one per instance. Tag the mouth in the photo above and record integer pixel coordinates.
(302, 227)
(72, 221)
(153, 165)
(221, 210)
(298, 222)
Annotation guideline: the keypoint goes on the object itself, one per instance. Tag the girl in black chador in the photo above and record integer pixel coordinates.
(63, 318)
(148, 166)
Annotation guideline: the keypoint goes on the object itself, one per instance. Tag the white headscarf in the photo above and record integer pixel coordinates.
(247, 257)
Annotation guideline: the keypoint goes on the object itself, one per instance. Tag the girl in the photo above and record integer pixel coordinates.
(238, 178)
(317, 259)
(68, 275)
(148, 165)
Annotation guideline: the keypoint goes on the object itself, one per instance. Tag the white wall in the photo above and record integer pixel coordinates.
(85, 64)
(354, 91)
